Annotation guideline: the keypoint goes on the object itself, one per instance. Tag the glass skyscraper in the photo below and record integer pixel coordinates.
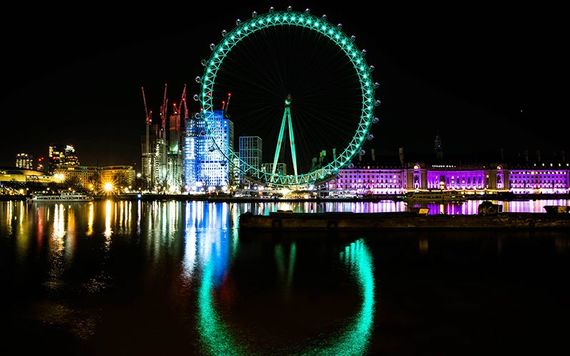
(205, 153)
(250, 152)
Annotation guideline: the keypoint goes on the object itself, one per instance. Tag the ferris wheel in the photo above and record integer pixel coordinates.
(362, 92)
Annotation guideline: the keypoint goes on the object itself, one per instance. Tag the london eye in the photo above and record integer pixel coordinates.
(301, 84)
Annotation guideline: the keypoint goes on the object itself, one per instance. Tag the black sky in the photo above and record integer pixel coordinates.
(73, 75)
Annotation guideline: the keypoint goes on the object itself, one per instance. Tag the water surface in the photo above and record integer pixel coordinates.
(110, 278)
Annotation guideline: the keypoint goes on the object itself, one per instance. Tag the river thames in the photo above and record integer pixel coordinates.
(165, 278)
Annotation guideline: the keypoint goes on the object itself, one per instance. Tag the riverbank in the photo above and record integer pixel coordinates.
(287, 221)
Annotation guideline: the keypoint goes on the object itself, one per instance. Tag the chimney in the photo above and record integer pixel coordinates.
(401, 155)
(502, 154)
(525, 154)
(538, 156)
(373, 154)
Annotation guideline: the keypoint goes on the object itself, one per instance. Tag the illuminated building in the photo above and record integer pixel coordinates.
(84, 175)
(56, 155)
(120, 176)
(20, 175)
(61, 156)
(70, 158)
(551, 178)
(41, 164)
(174, 154)
(94, 177)
(193, 148)
(250, 152)
(541, 179)
(268, 167)
(24, 161)
(374, 180)
(205, 154)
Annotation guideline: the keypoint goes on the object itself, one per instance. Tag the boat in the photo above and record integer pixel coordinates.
(65, 196)
(434, 196)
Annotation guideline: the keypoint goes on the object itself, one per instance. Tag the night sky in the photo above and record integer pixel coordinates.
(483, 76)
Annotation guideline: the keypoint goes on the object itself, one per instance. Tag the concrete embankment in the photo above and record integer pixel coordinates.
(401, 221)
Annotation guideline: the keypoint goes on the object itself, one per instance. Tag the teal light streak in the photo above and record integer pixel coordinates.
(353, 340)
(214, 334)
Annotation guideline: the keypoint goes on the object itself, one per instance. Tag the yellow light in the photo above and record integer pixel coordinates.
(60, 177)
(108, 187)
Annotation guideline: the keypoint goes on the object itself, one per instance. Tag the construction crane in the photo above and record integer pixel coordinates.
(227, 104)
(163, 110)
(147, 113)
(148, 120)
(184, 102)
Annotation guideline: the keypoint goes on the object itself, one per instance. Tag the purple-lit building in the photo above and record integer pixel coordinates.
(535, 180)
(474, 179)
(370, 180)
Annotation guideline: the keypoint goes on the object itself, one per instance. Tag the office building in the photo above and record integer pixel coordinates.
(206, 165)
(250, 153)
(24, 161)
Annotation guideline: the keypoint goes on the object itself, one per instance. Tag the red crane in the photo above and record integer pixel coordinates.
(184, 102)
(148, 115)
(227, 104)
(164, 109)
(148, 120)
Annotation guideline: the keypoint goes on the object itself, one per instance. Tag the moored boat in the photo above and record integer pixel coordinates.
(434, 196)
(65, 196)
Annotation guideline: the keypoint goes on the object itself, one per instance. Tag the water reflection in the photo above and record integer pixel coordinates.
(136, 260)
(468, 207)
(353, 339)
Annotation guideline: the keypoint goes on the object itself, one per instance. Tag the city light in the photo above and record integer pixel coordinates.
(59, 177)
(108, 187)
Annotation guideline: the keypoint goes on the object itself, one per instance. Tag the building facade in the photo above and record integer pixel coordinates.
(24, 161)
(377, 180)
(205, 157)
(250, 153)
(93, 178)
(61, 156)
(268, 167)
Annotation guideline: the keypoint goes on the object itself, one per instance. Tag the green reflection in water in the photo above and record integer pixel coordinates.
(355, 337)
(215, 335)
(352, 340)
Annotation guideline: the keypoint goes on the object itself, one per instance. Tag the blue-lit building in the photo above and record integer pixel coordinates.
(250, 152)
(205, 153)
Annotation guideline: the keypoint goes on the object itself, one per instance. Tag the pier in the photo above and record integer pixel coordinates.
(288, 221)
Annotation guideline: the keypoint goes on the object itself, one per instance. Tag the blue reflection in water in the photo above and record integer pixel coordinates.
(207, 239)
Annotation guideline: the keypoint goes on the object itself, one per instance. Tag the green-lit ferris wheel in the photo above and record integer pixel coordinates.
(344, 44)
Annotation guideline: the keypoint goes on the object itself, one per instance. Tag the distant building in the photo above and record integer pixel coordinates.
(61, 156)
(20, 175)
(24, 161)
(121, 176)
(268, 167)
(56, 156)
(206, 154)
(92, 177)
(174, 155)
(438, 148)
(250, 152)
(41, 164)
(552, 178)
(70, 158)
